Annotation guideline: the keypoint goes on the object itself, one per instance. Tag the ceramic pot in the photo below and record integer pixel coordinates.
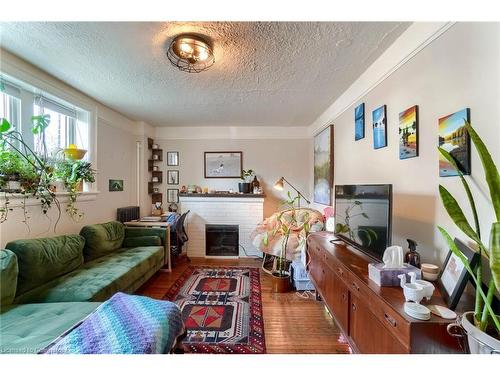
(281, 284)
(479, 342)
(244, 187)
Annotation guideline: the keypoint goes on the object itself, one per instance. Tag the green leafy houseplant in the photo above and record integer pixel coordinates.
(485, 317)
(246, 175)
(73, 173)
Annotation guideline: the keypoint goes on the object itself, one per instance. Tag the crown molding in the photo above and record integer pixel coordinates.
(418, 36)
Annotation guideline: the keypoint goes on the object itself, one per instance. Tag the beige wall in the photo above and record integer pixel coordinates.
(460, 69)
(270, 159)
(116, 159)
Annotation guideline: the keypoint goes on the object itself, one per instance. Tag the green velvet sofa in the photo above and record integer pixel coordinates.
(50, 284)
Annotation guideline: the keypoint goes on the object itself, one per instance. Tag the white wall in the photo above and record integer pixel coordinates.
(115, 137)
(457, 70)
(269, 158)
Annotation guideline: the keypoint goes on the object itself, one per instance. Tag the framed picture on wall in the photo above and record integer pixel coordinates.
(173, 195)
(115, 185)
(408, 133)
(454, 276)
(454, 138)
(173, 177)
(359, 122)
(172, 158)
(379, 127)
(323, 166)
(223, 164)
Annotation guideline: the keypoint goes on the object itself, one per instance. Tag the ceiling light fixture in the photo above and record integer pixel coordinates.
(191, 53)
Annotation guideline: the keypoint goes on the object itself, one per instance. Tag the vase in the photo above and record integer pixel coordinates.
(244, 187)
(479, 342)
(281, 284)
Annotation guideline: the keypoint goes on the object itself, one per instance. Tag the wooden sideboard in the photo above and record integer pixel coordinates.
(371, 317)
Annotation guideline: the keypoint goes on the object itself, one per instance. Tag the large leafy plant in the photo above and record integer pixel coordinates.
(484, 315)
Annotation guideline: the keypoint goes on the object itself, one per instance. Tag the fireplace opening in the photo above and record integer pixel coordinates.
(221, 240)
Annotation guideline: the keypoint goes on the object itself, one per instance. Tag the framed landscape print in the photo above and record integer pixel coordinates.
(379, 127)
(454, 138)
(408, 133)
(359, 122)
(223, 164)
(173, 177)
(454, 275)
(172, 158)
(323, 166)
(172, 195)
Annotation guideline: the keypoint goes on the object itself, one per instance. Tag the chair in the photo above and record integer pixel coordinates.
(178, 237)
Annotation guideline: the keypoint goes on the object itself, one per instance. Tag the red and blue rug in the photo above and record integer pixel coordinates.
(221, 309)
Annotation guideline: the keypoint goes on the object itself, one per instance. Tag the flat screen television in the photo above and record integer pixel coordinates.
(363, 217)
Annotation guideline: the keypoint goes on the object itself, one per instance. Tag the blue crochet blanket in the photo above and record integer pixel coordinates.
(124, 324)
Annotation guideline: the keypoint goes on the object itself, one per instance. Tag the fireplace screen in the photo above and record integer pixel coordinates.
(221, 240)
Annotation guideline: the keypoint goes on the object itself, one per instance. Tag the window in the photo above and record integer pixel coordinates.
(68, 123)
(10, 104)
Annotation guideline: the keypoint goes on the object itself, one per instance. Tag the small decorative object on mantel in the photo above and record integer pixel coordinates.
(386, 273)
(183, 189)
(246, 187)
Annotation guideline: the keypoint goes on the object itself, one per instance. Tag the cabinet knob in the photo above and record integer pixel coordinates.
(390, 320)
(354, 307)
(339, 270)
(355, 286)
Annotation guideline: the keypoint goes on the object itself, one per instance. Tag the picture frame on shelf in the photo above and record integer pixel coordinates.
(454, 276)
(172, 195)
(223, 164)
(173, 177)
(172, 158)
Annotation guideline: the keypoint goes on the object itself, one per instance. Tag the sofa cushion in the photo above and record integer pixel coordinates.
(44, 259)
(142, 241)
(102, 239)
(99, 279)
(8, 277)
(29, 328)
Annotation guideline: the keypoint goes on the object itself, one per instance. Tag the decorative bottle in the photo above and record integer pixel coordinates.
(411, 256)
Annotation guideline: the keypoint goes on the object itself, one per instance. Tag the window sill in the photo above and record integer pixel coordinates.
(16, 199)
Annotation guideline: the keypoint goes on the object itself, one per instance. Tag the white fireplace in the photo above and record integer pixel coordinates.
(244, 211)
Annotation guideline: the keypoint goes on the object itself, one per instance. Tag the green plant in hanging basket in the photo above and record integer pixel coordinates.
(485, 317)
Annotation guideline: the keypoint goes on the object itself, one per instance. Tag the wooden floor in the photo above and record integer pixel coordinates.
(292, 324)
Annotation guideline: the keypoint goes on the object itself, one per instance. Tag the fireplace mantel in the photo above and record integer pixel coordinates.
(244, 210)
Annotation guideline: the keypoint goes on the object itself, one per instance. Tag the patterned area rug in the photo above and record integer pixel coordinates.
(221, 308)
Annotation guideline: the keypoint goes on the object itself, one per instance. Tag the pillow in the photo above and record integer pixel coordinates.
(8, 277)
(141, 241)
(102, 239)
(44, 259)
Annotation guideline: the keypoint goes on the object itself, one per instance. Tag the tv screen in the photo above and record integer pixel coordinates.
(363, 216)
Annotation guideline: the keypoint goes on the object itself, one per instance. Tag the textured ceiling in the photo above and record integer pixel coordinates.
(266, 73)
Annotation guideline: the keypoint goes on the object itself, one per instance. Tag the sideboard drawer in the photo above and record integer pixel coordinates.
(394, 322)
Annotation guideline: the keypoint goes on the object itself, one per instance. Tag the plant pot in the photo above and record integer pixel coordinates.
(244, 187)
(12, 183)
(479, 342)
(281, 284)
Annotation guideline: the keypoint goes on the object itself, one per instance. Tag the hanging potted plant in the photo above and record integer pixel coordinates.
(247, 176)
(72, 174)
(10, 172)
(481, 326)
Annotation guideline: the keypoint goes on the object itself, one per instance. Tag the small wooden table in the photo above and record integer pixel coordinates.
(156, 224)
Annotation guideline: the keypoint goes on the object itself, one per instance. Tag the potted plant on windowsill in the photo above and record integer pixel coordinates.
(247, 176)
(482, 326)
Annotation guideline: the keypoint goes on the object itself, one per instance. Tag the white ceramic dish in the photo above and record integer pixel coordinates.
(430, 276)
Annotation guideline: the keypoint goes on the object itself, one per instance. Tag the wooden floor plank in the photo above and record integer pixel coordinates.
(292, 324)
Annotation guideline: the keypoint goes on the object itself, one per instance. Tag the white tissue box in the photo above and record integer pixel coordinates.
(389, 276)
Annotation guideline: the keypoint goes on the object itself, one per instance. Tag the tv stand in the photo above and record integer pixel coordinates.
(370, 316)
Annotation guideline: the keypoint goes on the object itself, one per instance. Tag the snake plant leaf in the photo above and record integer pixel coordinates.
(490, 169)
(452, 161)
(4, 125)
(457, 215)
(495, 254)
